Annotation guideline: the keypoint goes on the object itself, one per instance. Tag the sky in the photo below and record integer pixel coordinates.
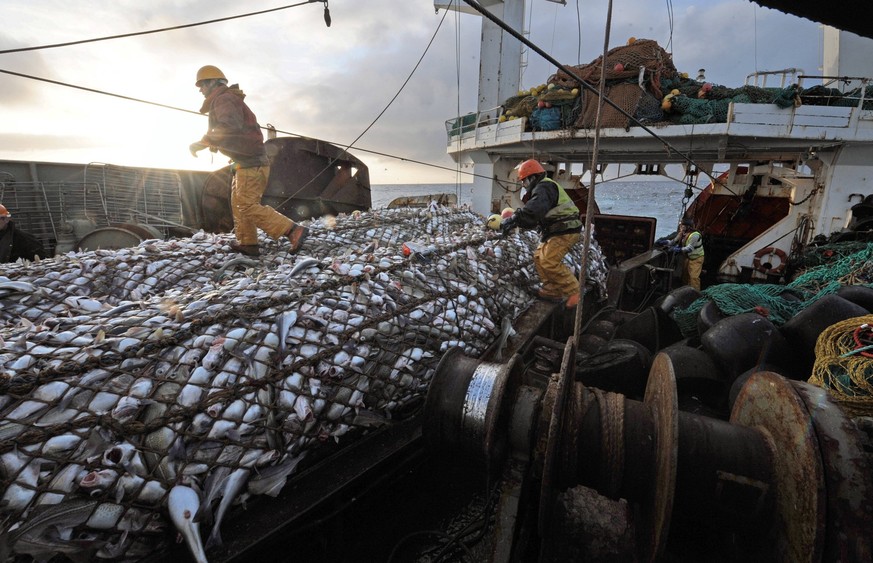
(385, 76)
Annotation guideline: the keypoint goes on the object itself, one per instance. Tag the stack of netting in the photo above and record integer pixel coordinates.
(824, 96)
(178, 379)
(640, 61)
(844, 364)
(781, 302)
(692, 106)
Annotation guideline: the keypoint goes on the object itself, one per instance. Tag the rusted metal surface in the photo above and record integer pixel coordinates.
(560, 386)
(215, 202)
(769, 403)
(656, 510)
(308, 178)
(848, 478)
(724, 477)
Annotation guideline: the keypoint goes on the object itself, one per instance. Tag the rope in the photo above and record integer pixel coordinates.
(612, 432)
(589, 212)
(843, 366)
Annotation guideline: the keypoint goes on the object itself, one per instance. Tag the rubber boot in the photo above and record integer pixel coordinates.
(247, 249)
(296, 235)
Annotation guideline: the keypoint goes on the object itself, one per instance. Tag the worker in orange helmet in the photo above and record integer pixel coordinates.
(15, 243)
(548, 207)
(234, 131)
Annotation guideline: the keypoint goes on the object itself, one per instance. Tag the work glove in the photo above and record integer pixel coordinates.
(662, 242)
(675, 249)
(508, 224)
(195, 147)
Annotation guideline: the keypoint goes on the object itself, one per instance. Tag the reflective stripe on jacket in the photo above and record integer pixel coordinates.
(693, 245)
(563, 217)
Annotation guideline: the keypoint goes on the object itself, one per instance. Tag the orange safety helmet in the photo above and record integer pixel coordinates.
(208, 72)
(4, 212)
(529, 168)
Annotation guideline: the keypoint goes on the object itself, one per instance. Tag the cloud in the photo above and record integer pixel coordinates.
(331, 83)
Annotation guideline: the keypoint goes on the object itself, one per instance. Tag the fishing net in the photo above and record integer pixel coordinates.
(781, 302)
(844, 364)
(824, 96)
(134, 378)
(646, 54)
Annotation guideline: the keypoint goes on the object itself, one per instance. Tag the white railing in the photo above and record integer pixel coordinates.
(472, 121)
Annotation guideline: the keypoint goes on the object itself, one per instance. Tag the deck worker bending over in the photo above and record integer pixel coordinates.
(689, 242)
(551, 210)
(15, 243)
(234, 130)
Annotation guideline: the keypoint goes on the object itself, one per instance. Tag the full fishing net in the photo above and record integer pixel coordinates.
(173, 380)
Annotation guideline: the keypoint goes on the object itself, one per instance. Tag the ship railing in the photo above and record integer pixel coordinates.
(41, 208)
(471, 122)
(851, 87)
(786, 76)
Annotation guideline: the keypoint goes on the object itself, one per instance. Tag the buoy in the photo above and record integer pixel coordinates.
(767, 266)
(507, 213)
(494, 222)
(667, 102)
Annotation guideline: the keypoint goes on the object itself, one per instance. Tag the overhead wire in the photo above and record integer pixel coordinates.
(216, 20)
(670, 24)
(160, 30)
(589, 213)
(583, 83)
(381, 113)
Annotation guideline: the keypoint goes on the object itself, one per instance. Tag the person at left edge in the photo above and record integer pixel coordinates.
(234, 131)
(15, 243)
(548, 207)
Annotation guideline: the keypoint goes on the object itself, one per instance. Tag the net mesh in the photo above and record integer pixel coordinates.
(781, 302)
(128, 374)
(844, 364)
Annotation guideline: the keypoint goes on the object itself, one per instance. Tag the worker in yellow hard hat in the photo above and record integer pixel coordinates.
(234, 131)
(15, 243)
(548, 207)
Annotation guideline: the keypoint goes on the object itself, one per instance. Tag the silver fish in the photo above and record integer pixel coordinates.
(183, 504)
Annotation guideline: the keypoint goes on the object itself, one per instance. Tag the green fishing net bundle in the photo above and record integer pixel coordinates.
(781, 302)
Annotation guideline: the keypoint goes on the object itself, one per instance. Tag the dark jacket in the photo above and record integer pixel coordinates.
(550, 210)
(15, 244)
(233, 128)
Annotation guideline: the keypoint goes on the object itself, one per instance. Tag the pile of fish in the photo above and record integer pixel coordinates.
(170, 381)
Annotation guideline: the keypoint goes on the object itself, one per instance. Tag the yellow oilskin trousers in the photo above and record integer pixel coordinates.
(249, 215)
(691, 272)
(557, 278)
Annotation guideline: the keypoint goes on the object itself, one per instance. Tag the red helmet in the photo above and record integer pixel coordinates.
(529, 168)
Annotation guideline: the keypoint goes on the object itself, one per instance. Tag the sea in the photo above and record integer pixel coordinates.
(660, 199)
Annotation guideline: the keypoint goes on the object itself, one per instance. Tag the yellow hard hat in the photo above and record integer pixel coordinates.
(4, 212)
(209, 72)
(494, 222)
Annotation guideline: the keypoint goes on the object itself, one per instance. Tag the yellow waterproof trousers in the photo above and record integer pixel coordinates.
(557, 278)
(691, 272)
(249, 215)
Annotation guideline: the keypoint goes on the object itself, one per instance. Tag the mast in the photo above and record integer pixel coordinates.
(499, 78)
